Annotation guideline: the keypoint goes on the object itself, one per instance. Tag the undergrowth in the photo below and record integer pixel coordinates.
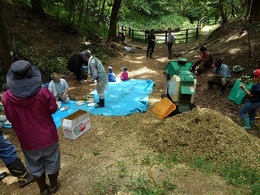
(147, 184)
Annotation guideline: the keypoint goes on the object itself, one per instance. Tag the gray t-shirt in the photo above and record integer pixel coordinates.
(58, 88)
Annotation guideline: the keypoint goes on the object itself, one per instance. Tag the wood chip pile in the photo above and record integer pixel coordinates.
(207, 134)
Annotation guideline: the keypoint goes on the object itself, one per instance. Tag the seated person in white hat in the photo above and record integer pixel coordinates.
(59, 88)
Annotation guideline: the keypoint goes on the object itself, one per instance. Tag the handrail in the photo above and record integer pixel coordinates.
(161, 36)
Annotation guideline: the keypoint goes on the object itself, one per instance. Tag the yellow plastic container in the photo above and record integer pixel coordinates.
(164, 108)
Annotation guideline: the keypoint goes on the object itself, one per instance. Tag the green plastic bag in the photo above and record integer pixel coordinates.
(237, 94)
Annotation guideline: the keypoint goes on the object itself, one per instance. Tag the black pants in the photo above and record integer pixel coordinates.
(169, 45)
(78, 74)
(150, 49)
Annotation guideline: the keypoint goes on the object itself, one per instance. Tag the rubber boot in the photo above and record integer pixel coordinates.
(246, 124)
(101, 103)
(2, 175)
(41, 182)
(223, 88)
(210, 84)
(252, 123)
(54, 182)
(17, 169)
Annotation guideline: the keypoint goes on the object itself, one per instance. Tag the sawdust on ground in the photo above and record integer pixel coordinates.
(94, 163)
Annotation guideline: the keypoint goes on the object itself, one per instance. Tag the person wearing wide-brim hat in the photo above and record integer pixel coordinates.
(248, 110)
(29, 107)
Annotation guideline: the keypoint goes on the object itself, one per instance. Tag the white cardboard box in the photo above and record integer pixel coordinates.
(76, 124)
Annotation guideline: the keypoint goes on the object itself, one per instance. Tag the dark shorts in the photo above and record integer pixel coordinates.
(44, 160)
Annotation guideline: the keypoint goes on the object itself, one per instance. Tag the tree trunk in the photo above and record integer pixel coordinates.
(81, 9)
(112, 36)
(223, 12)
(101, 13)
(5, 57)
(253, 7)
(37, 7)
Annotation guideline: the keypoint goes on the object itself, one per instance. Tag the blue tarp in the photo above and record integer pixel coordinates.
(121, 98)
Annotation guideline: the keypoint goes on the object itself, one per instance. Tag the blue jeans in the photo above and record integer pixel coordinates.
(8, 152)
(250, 109)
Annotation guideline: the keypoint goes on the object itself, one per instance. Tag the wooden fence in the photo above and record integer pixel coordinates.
(161, 36)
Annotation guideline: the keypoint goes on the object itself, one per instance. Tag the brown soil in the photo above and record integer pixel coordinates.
(118, 150)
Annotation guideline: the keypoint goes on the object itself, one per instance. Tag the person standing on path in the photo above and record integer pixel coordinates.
(150, 43)
(170, 41)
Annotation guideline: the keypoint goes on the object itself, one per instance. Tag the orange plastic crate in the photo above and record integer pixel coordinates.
(164, 108)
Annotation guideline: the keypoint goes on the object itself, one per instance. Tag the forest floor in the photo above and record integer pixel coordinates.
(127, 154)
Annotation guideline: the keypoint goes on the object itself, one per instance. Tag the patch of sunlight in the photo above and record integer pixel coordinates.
(162, 59)
(7, 136)
(138, 60)
(72, 88)
(9, 180)
(135, 61)
(143, 70)
(87, 43)
(236, 36)
(234, 50)
(209, 28)
(154, 100)
(100, 132)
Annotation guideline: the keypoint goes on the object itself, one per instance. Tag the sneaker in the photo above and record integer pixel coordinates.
(82, 81)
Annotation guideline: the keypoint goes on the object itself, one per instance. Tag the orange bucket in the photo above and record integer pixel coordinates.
(164, 108)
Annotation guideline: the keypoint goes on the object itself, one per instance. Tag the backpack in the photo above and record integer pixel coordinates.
(75, 62)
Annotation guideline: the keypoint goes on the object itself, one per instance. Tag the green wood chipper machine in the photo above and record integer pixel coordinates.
(180, 84)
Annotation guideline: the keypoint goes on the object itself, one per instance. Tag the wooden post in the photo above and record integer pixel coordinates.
(165, 36)
(129, 32)
(133, 34)
(197, 33)
(187, 35)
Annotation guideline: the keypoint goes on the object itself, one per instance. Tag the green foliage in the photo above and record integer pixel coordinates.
(2, 78)
(96, 152)
(108, 186)
(146, 184)
(237, 174)
(47, 65)
(143, 186)
(122, 171)
(143, 23)
(202, 164)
